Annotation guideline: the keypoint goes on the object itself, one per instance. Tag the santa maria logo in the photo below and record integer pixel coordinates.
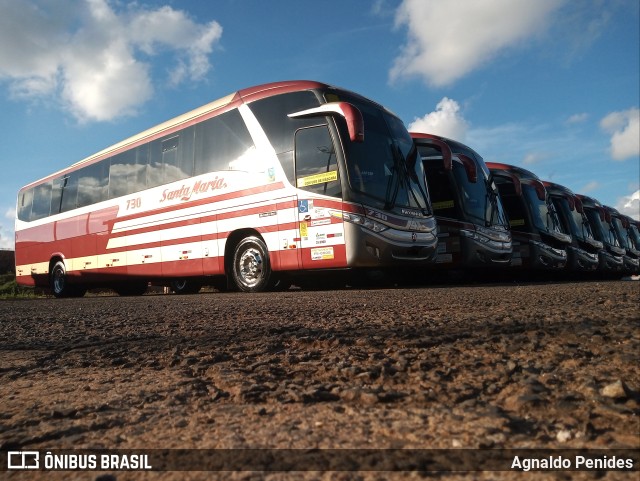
(199, 187)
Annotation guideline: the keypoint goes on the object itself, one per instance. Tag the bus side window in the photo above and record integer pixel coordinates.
(171, 158)
(41, 201)
(127, 172)
(69, 192)
(56, 194)
(442, 195)
(93, 183)
(25, 202)
(315, 159)
(272, 113)
(224, 143)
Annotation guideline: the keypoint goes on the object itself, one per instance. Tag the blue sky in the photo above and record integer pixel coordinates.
(550, 85)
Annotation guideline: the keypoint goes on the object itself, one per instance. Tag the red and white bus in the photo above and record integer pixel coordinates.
(271, 180)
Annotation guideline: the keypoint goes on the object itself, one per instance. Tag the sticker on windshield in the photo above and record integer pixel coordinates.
(445, 204)
(318, 178)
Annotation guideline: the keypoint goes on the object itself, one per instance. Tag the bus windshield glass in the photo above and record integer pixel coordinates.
(382, 168)
(580, 225)
(634, 236)
(620, 232)
(601, 228)
(543, 214)
(480, 200)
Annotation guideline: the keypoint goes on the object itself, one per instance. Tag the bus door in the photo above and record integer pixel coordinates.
(320, 224)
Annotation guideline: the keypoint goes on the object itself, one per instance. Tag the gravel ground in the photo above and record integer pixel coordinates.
(546, 365)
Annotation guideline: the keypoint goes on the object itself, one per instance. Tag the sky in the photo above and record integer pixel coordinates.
(549, 85)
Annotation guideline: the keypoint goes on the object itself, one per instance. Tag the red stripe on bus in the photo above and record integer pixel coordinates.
(208, 200)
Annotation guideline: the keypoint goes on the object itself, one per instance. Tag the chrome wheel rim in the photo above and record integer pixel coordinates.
(250, 267)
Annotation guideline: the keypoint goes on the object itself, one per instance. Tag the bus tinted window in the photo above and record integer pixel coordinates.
(443, 198)
(513, 205)
(41, 201)
(316, 165)
(223, 143)
(171, 158)
(93, 183)
(25, 200)
(127, 172)
(272, 112)
(69, 192)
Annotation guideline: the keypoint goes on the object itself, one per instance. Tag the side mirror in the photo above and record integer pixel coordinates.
(578, 204)
(517, 185)
(443, 147)
(470, 168)
(601, 213)
(541, 193)
(349, 112)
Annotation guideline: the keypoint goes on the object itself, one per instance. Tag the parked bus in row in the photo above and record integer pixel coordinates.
(538, 241)
(633, 232)
(620, 226)
(266, 182)
(582, 253)
(610, 258)
(472, 227)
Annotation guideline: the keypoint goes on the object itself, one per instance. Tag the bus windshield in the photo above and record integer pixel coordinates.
(620, 233)
(580, 225)
(602, 228)
(634, 236)
(480, 199)
(543, 214)
(382, 167)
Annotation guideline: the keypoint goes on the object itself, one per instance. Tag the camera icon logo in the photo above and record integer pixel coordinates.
(23, 460)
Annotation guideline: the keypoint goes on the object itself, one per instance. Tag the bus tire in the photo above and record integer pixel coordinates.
(60, 283)
(136, 288)
(186, 286)
(251, 268)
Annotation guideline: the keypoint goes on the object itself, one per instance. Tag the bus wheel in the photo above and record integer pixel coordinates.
(185, 286)
(251, 269)
(132, 288)
(59, 282)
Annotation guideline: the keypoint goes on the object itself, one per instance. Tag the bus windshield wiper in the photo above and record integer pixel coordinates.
(390, 197)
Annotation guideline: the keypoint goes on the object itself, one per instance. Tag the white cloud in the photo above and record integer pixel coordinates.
(578, 118)
(590, 187)
(624, 128)
(630, 205)
(534, 157)
(7, 240)
(93, 58)
(446, 121)
(447, 40)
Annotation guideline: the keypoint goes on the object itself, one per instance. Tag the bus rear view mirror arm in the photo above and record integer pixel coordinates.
(349, 112)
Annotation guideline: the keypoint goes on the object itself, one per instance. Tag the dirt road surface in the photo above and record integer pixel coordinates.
(548, 365)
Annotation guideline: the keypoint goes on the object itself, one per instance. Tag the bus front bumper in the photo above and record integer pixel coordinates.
(389, 247)
(581, 260)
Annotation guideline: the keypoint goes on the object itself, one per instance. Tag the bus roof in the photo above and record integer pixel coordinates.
(513, 169)
(557, 189)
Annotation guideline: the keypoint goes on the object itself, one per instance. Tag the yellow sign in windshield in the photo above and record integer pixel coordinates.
(318, 178)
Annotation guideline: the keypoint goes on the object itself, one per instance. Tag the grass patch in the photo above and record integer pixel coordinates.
(9, 288)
